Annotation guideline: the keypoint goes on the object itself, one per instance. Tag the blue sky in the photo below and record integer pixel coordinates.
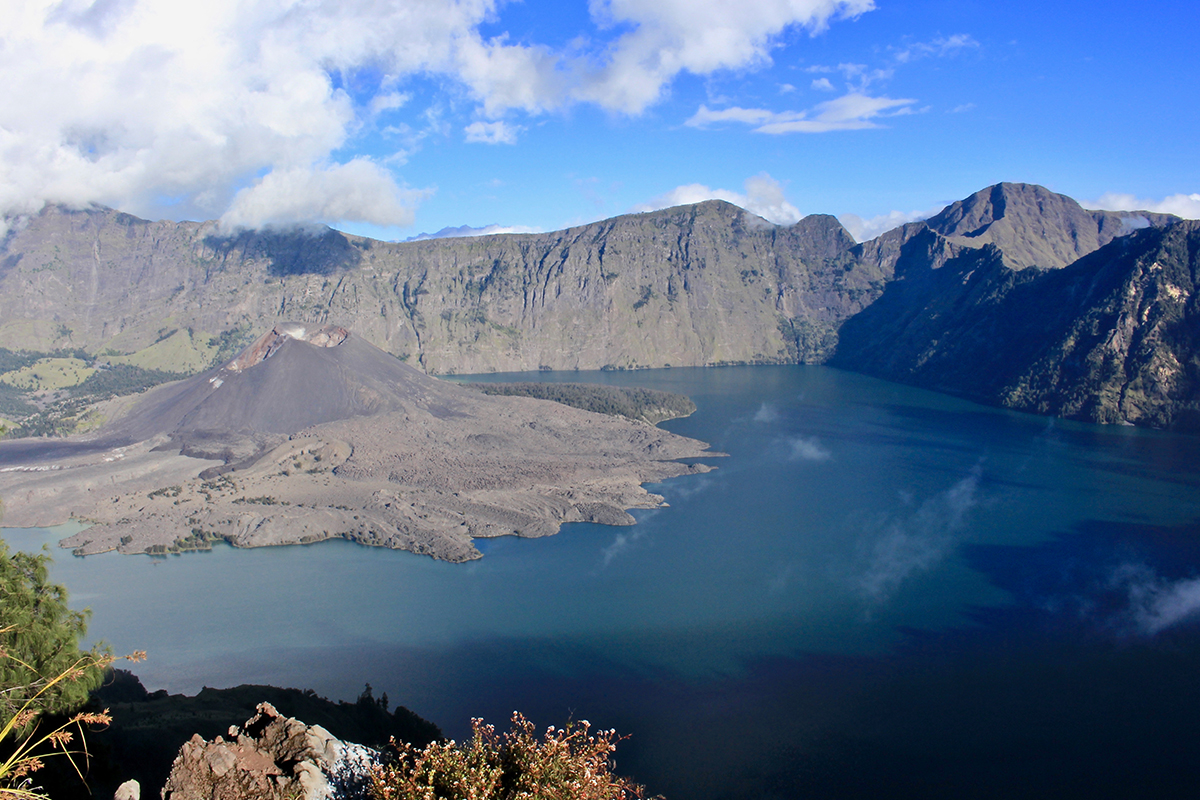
(394, 118)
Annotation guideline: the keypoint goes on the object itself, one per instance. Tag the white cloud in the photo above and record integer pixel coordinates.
(822, 85)
(389, 101)
(763, 196)
(160, 108)
(492, 132)
(697, 36)
(359, 190)
(849, 112)
(866, 229)
(964, 107)
(1181, 205)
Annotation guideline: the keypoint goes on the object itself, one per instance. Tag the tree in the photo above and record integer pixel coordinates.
(39, 641)
(42, 671)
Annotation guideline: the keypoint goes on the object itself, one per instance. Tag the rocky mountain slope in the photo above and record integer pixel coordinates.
(1111, 337)
(694, 285)
(945, 303)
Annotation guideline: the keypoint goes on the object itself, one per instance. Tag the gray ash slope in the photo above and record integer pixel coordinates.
(292, 378)
(314, 434)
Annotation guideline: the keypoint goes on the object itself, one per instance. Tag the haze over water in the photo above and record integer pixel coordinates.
(879, 589)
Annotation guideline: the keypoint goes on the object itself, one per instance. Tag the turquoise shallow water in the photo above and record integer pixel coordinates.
(864, 547)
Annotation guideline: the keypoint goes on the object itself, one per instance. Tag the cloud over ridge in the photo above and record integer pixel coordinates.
(763, 196)
(245, 110)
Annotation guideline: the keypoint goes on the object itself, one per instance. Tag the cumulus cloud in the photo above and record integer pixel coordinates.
(822, 85)
(160, 107)
(698, 36)
(854, 111)
(1181, 205)
(909, 544)
(359, 190)
(866, 229)
(763, 196)
(157, 108)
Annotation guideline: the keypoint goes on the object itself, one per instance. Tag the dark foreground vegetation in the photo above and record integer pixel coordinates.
(71, 725)
(572, 762)
(648, 405)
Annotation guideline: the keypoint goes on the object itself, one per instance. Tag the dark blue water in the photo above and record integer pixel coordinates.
(879, 590)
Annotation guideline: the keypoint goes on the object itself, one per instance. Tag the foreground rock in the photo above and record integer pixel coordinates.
(313, 434)
(271, 757)
(150, 728)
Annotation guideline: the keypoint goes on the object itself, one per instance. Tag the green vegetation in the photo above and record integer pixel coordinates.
(198, 539)
(71, 413)
(39, 640)
(265, 500)
(648, 405)
(49, 374)
(176, 350)
(569, 763)
(121, 379)
(13, 402)
(231, 342)
(43, 673)
(79, 380)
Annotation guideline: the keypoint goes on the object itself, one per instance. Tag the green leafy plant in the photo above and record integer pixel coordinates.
(39, 638)
(42, 672)
(571, 762)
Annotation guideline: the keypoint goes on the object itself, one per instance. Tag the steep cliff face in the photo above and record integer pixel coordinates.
(1123, 334)
(965, 302)
(694, 285)
(1113, 337)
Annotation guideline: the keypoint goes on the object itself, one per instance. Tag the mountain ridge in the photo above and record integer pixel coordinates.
(699, 285)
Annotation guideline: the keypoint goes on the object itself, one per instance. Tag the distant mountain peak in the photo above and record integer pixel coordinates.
(1033, 226)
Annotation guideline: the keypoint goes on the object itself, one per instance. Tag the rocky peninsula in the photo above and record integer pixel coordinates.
(312, 433)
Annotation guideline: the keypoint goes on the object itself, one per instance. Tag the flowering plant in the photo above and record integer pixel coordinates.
(572, 762)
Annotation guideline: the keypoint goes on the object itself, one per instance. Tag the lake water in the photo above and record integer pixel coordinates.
(879, 590)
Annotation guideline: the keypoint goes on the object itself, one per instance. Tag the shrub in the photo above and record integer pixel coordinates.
(39, 641)
(570, 763)
(42, 671)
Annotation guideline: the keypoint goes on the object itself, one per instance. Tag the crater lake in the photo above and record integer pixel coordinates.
(879, 590)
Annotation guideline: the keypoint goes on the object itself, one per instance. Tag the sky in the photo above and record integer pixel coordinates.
(392, 118)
